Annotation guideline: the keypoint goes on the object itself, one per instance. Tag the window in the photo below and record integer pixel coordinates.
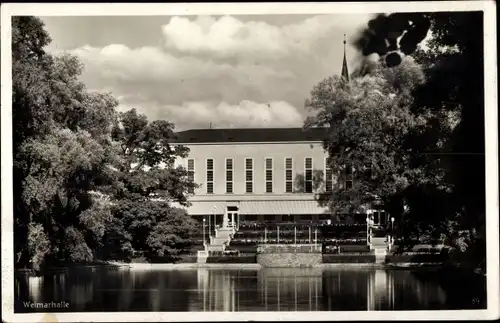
(229, 175)
(308, 175)
(288, 175)
(348, 176)
(210, 176)
(248, 175)
(328, 175)
(269, 175)
(190, 168)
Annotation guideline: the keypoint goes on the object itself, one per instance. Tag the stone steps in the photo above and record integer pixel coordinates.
(218, 242)
(202, 257)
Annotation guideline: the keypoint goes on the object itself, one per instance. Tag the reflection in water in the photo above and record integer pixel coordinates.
(218, 290)
(290, 289)
(35, 285)
(239, 290)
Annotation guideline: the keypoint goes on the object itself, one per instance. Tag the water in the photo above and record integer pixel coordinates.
(247, 290)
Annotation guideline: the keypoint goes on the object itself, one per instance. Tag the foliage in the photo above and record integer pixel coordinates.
(83, 172)
(366, 119)
(453, 97)
(60, 148)
(414, 135)
(317, 181)
(455, 68)
(38, 243)
(147, 182)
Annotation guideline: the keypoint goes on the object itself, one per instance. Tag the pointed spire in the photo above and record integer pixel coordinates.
(345, 72)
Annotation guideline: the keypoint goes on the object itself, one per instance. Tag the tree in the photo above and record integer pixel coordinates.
(61, 146)
(443, 148)
(317, 182)
(148, 182)
(454, 93)
(369, 120)
(88, 183)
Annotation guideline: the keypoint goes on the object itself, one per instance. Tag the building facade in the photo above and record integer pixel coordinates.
(261, 174)
(264, 174)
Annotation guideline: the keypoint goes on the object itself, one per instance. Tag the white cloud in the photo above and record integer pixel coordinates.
(246, 114)
(152, 64)
(225, 70)
(230, 37)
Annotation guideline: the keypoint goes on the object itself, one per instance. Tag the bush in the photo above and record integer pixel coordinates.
(346, 259)
(244, 242)
(251, 259)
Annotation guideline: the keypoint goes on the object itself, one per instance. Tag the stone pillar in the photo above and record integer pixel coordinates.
(232, 220)
(225, 220)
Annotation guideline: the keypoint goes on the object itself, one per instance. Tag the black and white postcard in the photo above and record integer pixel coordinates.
(249, 161)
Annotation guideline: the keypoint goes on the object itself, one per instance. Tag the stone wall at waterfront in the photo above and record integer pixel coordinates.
(286, 255)
(289, 259)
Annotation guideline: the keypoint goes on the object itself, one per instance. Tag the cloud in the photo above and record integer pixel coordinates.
(227, 67)
(171, 79)
(229, 37)
(246, 114)
(147, 63)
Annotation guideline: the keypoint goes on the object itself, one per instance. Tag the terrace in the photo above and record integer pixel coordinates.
(333, 237)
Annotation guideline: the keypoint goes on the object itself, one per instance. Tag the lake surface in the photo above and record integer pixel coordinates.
(247, 290)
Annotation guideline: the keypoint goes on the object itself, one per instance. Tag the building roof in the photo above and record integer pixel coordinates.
(250, 135)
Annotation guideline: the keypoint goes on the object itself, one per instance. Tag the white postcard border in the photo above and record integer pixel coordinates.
(138, 9)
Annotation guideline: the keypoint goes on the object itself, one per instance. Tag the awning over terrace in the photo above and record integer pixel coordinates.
(281, 207)
(270, 207)
(205, 207)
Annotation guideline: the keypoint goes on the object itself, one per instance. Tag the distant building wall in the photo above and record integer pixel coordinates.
(298, 151)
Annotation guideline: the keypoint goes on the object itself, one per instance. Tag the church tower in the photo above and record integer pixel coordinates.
(345, 71)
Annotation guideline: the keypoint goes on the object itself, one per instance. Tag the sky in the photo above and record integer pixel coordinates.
(230, 71)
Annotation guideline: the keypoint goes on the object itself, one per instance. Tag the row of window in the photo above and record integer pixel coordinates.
(249, 175)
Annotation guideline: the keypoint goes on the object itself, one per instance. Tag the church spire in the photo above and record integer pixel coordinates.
(345, 72)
